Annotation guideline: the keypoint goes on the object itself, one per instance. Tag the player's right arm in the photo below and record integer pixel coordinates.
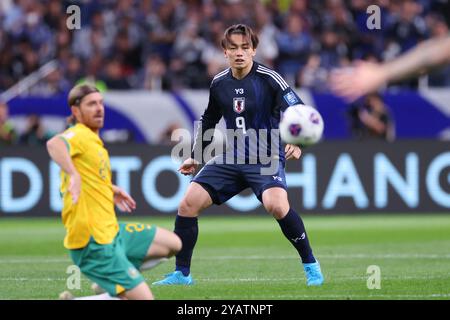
(58, 151)
(208, 121)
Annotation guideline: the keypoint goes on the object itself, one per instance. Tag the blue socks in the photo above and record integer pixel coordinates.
(187, 229)
(294, 230)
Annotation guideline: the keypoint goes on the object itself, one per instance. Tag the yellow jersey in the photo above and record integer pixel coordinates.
(93, 214)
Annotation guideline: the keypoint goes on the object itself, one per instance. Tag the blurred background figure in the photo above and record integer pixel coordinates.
(313, 76)
(155, 76)
(212, 55)
(114, 76)
(187, 52)
(8, 135)
(370, 119)
(294, 43)
(35, 133)
(439, 77)
(267, 31)
(118, 37)
(166, 136)
(170, 51)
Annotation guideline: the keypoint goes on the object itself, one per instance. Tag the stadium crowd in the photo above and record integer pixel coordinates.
(174, 44)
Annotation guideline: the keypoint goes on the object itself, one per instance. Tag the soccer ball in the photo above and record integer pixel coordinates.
(301, 125)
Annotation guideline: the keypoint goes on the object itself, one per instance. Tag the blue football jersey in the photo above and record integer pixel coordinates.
(251, 107)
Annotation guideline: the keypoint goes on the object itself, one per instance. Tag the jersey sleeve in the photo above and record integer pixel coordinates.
(209, 119)
(73, 141)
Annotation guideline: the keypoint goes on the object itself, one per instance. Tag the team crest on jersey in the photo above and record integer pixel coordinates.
(239, 105)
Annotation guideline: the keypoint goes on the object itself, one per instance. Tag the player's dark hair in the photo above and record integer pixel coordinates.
(243, 29)
(76, 95)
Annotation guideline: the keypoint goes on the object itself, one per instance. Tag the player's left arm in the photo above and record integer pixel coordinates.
(285, 99)
(123, 200)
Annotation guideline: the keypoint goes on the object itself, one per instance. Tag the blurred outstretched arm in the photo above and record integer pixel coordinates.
(366, 77)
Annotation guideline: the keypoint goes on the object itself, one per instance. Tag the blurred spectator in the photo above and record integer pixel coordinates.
(313, 76)
(166, 136)
(52, 84)
(308, 16)
(213, 56)
(370, 119)
(187, 49)
(8, 135)
(364, 40)
(333, 52)
(126, 53)
(93, 73)
(441, 77)
(162, 30)
(117, 38)
(53, 14)
(267, 48)
(73, 69)
(97, 37)
(294, 45)
(35, 133)
(338, 18)
(235, 11)
(155, 75)
(114, 77)
(409, 27)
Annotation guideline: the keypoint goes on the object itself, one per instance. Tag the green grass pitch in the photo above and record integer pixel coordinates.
(246, 258)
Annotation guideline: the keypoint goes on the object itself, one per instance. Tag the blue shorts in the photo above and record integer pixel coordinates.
(224, 181)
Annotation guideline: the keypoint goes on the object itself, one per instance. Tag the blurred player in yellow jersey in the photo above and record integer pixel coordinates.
(107, 252)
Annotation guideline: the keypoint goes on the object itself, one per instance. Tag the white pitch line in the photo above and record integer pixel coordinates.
(36, 279)
(327, 279)
(37, 260)
(337, 256)
(344, 296)
(258, 257)
(292, 279)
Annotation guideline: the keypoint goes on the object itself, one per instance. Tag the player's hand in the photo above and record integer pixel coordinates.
(123, 200)
(188, 167)
(292, 152)
(358, 80)
(75, 187)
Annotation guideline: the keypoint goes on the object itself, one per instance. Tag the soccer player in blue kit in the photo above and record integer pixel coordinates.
(248, 96)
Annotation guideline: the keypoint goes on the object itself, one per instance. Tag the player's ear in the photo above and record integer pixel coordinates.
(75, 111)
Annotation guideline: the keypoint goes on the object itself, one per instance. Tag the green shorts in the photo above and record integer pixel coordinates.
(114, 266)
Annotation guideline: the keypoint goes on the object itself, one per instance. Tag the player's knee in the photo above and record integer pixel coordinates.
(187, 208)
(278, 210)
